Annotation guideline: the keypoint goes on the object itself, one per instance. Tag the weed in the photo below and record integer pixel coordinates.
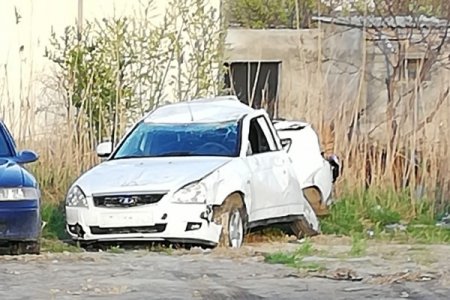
(115, 249)
(53, 215)
(429, 234)
(419, 234)
(57, 246)
(344, 218)
(295, 259)
(161, 249)
(306, 249)
(374, 209)
(358, 246)
(311, 266)
(283, 258)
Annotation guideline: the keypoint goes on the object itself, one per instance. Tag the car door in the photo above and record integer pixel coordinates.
(270, 178)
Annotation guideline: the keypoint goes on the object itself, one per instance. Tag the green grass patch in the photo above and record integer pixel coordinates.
(414, 234)
(359, 246)
(53, 215)
(282, 258)
(161, 249)
(115, 249)
(57, 246)
(306, 249)
(295, 259)
(356, 212)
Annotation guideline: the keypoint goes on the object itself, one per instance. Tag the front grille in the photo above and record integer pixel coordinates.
(126, 200)
(124, 230)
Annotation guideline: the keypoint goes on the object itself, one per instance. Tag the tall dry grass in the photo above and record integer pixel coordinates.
(94, 88)
(356, 122)
(415, 159)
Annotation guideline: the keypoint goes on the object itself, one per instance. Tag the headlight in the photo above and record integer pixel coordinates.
(76, 198)
(14, 194)
(192, 193)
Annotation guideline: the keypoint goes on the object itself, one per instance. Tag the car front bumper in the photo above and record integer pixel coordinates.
(184, 223)
(20, 220)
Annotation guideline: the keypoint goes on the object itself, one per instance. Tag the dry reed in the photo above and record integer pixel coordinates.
(368, 160)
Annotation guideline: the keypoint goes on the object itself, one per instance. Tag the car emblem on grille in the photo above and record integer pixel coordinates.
(127, 201)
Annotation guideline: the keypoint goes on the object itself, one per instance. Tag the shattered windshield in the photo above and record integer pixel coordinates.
(190, 139)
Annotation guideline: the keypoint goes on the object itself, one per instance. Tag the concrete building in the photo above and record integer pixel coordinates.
(340, 69)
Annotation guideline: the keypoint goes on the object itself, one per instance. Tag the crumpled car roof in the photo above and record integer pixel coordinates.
(289, 125)
(216, 109)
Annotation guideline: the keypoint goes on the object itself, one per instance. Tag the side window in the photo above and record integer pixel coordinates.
(257, 138)
(5, 136)
(4, 148)
(266, 130)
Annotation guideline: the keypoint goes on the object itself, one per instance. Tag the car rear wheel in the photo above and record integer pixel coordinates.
(301, 228)
(232, 216)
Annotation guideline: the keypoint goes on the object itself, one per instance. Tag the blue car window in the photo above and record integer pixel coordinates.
(4, 146)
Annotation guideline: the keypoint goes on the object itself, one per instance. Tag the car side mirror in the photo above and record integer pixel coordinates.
(104, 149)
(26, 156)
(286, 144)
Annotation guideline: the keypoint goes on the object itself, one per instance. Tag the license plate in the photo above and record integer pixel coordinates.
(126, 220)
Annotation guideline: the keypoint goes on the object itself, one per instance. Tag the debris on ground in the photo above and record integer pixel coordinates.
(444, 222)
(404, 294)
(395, 227)
(370, 233)
(341, 274)
(403, 277)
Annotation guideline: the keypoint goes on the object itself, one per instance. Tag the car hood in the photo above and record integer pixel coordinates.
(147, 174)
(11, 174)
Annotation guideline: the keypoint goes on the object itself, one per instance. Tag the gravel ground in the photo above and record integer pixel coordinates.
(386, 272)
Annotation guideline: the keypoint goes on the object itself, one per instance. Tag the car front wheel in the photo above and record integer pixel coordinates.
(232, 216)
(25, 248)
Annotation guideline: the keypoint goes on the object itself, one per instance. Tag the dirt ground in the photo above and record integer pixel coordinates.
(386, 271)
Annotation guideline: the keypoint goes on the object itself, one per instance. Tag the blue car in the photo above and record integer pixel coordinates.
(20, 218)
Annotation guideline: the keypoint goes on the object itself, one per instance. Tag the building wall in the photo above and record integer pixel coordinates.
(351, 78)
(414, 103)
(285, 46)
(316, 69)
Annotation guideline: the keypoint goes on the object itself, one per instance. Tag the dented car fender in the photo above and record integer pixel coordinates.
(228, 179)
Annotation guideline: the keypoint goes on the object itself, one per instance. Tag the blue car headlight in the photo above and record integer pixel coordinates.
(16, 194)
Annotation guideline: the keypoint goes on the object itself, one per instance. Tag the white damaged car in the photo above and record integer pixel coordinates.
(202, 172)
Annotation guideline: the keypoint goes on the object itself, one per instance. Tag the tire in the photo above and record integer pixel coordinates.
(302, 229)
(20, 248)
(232, 216)
(33, 248)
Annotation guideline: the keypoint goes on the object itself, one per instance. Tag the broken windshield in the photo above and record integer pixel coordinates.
(190, 139)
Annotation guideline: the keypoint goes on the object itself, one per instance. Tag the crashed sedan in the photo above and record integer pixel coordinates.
(204, 172)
